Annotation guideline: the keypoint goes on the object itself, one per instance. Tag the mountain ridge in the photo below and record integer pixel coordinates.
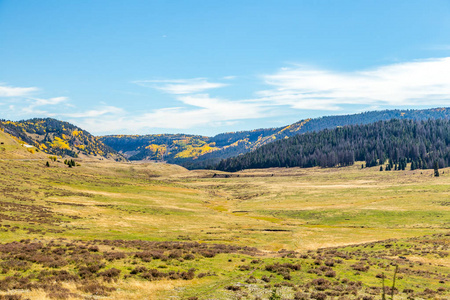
(196, 151)
(191, 151)
(425, 144)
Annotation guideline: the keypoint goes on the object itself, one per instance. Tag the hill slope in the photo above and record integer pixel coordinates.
(423, 143)
(14, 148)
(193, 151)
(57, 137)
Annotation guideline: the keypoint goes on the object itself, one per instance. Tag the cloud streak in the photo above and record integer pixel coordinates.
(106, 110)
(49, 101)
(418, 83)
(424, 82)
(181, 86)
(31, 110)
(201, 110)
(9, 91)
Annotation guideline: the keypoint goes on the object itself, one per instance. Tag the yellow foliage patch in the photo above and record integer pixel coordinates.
(195, 151)
(60, 143)
(158, 150)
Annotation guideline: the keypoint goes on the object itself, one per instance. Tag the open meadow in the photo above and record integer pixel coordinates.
(224, 150)
(156, 231)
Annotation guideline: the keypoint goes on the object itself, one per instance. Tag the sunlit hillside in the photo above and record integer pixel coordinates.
(59, 138)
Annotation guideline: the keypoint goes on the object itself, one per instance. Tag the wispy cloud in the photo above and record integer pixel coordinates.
(181, 86)
(105, 110)
(299, 88)
(422, 82)
(202, 110)
(49, 101)
(32, 103)
(416, 83)
(208, 110)
(9, 91)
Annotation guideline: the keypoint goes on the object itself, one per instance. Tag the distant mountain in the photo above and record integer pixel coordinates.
(194, 151)
(396, 142)
(59, 138)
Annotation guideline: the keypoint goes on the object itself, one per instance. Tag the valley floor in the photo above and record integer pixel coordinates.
(154, 231)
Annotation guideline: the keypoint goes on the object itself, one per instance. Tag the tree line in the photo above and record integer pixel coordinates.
(395, 143)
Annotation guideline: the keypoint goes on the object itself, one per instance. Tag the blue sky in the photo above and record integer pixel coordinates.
(207, 67)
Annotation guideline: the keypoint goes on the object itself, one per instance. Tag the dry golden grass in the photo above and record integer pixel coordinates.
(12, 148)
(273, 209)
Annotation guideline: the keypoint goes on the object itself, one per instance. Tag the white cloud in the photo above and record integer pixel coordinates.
(416, 83)
(207, 111)
(9, 91)
(96, 112)
(49, 101)
(424, 82)
(30, 109)
(181, 86)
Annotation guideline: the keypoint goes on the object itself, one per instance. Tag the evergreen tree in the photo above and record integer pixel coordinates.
(436, 169)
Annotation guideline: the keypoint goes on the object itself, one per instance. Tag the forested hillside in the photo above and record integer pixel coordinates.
(58, 137)
(394, 142)
(194, 151)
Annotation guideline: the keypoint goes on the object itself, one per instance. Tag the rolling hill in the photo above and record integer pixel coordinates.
(13, 148)
(194, 151)
(58, 137)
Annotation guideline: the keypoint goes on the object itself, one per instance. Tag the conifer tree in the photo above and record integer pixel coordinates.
(436, 169)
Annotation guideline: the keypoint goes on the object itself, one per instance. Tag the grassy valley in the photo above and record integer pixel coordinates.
(224, 150)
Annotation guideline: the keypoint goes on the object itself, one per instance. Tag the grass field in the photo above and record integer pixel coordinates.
(154, 231)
